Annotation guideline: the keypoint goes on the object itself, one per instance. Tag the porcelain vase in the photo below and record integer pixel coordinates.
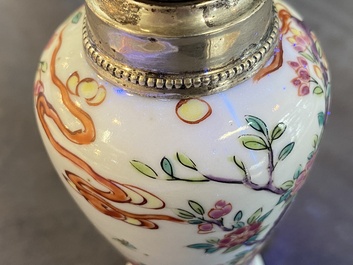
(189, 180)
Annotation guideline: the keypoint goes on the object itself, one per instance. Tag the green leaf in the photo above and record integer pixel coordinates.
(144, 169)
(298, 172)
(257, 124)
(238, 216)
(213, 240)
(284, 197)
(262, 229)
(307, 56)
(278, 131)
(76, 18)
(239, 224)
(167, 166)
(253, 142)
(255, 216)
(186, 161)
(197, 207)
(239, 164)
(240, 256)
(315, 141)
(318, 48)
(262, 218)
(310, 156)
(286, 151)
(252, 239)
(287, 185)
(321, 118)
(211, 250)
(231, 249)
(201, 246)
(43, 66)
(318, 90)
(183, 214)
(195, 222)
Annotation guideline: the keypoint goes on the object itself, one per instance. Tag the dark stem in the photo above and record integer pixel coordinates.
(313, 80)
(271, 166)
(247, 182)
(268, 187)
(223, 180)
(188, 180)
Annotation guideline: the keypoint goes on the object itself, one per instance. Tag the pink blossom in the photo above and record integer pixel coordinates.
(221, 209)
(205, 228)
(303, 74)
(303, 62)
(301, 40)
(38, 87)
(297, 82)
(299, 48)
(294, 65)
(302, 81)
(239, 236)
(303, 90)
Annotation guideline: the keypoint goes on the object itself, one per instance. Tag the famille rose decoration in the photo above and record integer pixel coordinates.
(183, 129)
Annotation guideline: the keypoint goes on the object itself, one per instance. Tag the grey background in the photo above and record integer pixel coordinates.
(40, 224)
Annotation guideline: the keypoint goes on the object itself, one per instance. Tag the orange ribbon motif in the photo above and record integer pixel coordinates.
(103, 200)
(277, 61)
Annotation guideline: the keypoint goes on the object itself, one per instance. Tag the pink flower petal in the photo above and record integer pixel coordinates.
(220, 204)
(299, 48)
(303, 61)
(300, 41)
(303, 74)
(294, 65)
(38, 87)
(227, 209)
(205, 228)
(304, 90)
(215, 213)
(297, 82)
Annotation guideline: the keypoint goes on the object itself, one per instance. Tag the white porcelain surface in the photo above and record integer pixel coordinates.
(161, 179)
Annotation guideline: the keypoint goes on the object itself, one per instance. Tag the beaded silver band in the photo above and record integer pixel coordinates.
(156, 84)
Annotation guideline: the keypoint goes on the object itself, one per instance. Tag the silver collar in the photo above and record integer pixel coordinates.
(179, 49)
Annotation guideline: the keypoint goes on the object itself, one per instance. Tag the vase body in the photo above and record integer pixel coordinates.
(199, 180)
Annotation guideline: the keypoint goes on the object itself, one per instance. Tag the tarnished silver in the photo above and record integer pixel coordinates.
(179, 49)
